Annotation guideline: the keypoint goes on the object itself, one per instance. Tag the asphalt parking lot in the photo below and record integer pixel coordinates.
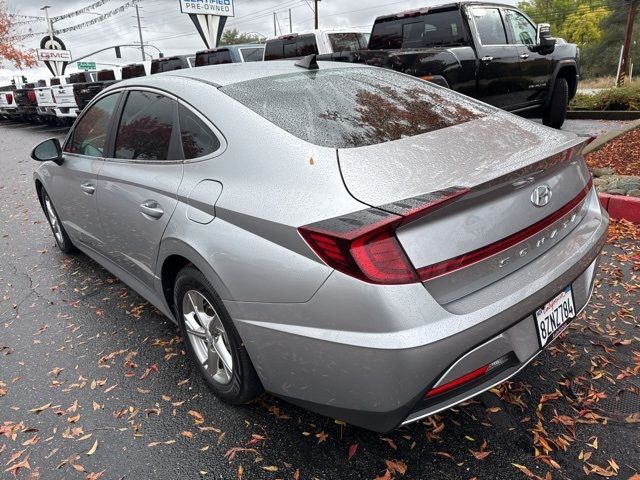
(95, 384)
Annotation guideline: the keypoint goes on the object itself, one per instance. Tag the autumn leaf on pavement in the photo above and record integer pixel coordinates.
(93, 449)
(352, 451)
(396, 466)
(322, 437)
(40, 409)
(483, 453)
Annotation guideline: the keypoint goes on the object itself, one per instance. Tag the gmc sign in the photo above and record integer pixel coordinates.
(54, 55)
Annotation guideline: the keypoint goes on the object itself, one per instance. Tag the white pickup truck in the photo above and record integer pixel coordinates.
(46, 101)
(315, 41)
(8, 105)
(65, 101)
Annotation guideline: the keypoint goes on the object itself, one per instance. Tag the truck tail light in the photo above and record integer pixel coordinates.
(9, 97)
(31, 95)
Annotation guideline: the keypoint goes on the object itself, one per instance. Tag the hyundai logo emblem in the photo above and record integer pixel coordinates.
(541, 196)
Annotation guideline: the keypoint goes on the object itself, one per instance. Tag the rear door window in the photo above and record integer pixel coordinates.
(490, 27)
(354, 107)
(145, 127)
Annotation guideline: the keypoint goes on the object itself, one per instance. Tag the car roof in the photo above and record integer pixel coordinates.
(318, 31)
(447, 5)
(230, 73)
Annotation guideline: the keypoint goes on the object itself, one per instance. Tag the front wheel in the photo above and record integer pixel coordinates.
(212, 339)
(59, 233)
(556, 110)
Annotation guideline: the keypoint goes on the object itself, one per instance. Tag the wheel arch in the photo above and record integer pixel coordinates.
(569, 71)
(174, 255)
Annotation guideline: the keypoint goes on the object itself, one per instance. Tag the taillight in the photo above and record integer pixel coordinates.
(31, 95)
(9, 97)
(364, 244)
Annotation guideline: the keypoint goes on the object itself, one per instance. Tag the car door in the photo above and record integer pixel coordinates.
(498, 69)
(535, 68)
(74, 184)
(140, 180)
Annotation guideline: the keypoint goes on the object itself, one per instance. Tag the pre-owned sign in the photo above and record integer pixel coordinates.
(221, 8)
(54, 55)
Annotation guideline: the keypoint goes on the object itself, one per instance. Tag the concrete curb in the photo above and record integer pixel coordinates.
(603, 114)
(621, 207)
(607, 137)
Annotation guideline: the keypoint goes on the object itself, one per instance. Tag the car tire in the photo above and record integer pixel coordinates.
(57, 228)
(197, 304)
(556, 111)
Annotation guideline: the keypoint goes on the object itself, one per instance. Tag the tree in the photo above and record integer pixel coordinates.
(9, 51)
(583, 26)
(553, 12)
(601, 58)
(234, 37)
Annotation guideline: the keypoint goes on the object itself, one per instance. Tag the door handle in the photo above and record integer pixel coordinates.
(524, 56)
(487, 59)
(152, 209)
(88, 188)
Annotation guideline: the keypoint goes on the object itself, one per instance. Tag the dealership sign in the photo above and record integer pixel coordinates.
(54, 55)
(209, 18)
(220, 8)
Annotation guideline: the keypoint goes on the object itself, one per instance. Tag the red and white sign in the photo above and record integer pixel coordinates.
(54, 55)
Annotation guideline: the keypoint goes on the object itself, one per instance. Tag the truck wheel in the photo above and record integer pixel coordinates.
(556, 111)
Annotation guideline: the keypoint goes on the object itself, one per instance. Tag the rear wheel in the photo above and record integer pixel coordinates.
(556, 111)
(212, 339)
(59, 233)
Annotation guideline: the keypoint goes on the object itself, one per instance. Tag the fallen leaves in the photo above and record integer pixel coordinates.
(482, 453)
(352, 451)
(93, 449)
(41, 409)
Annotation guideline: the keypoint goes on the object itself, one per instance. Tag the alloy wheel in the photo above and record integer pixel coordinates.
(207, 336)
(53, 220)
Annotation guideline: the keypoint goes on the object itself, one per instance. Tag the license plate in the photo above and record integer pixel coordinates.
(554, 317)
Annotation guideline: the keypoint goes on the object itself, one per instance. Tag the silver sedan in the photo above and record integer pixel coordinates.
(357, 241)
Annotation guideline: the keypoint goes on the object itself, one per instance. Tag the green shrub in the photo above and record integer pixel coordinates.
(626, 98)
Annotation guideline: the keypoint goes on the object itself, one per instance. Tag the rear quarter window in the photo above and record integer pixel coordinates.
(346, 108)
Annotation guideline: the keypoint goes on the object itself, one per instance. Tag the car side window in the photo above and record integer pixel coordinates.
(524, 32)
(197, 139)
(90, 135)
(145, 127)
(490, 26)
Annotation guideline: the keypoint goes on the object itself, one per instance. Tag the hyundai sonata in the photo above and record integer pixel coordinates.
(359, 242)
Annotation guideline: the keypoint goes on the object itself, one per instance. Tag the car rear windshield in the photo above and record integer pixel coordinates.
(347, 42)
(290, 47)
(213, 58)
(354, 107)
(166, 65)
(432, 29)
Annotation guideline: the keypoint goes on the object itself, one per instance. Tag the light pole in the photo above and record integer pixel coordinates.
(49, 24)
(140, 31)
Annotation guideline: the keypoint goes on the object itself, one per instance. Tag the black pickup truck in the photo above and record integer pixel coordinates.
(84, 92)
(489, 51)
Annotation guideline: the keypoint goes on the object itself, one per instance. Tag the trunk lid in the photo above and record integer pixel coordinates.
(498, 161)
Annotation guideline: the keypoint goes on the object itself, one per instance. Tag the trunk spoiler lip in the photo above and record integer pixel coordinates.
(430, 272)
(416, 207)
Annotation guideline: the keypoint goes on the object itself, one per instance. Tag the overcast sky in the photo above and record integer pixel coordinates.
(173, 33)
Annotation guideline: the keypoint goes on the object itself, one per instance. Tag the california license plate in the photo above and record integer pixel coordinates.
(554, 317)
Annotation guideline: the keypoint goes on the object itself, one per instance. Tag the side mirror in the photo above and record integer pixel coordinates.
(544, 41)
(49, 150)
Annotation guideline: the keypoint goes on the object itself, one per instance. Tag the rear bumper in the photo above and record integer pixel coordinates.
(368, 354)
